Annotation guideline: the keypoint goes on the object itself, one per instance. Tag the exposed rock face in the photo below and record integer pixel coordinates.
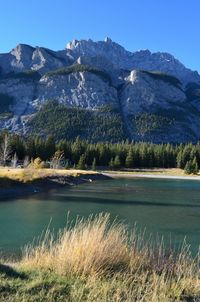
(79, 89)
(157, 96)
(123, 59)
(143, 93)
(25, 57)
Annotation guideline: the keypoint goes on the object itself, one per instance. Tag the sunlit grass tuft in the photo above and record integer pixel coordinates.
(115, 265)
(96, 260)
(91, 247)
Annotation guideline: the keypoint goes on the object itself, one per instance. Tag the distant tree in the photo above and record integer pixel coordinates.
(117, 162)
(14, 160)
(188, 167)
(17, 146)
(77, 150)
(195, 168)
(49, 147)
(179, 160)
(5, 149)
(191, 167)
(94, 164)
(81, 163)
(111, 164)
(57, 160)
(129, 159)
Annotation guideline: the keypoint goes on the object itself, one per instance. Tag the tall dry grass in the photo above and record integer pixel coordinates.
(90, 247)
(116, 266)
(30, 174)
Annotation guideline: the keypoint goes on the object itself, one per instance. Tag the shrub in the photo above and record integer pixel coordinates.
(37, 163)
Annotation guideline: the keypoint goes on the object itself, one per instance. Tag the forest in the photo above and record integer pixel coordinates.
(47, 152)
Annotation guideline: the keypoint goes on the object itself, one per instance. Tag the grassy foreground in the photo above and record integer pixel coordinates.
(99, 261)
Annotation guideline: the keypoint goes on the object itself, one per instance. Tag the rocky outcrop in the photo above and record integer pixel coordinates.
(142, 93)
(78, 89)
(156, 95)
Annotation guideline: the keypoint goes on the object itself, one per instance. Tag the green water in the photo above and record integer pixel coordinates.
(167, 207)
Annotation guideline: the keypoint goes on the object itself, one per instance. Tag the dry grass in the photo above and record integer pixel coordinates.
(91, 247)
(112, 266)
(30, 174)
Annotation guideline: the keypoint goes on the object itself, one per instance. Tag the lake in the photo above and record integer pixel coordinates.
(165, 207)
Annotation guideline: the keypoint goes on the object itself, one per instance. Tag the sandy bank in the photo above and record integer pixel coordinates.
(149, 175)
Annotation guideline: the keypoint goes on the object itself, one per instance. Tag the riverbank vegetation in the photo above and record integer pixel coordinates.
(49, 153)
(96, 260)
(30, 174)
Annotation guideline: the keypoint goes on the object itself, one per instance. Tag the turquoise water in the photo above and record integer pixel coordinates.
(165, 207)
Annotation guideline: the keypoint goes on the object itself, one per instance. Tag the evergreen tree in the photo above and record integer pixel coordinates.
(81, 163)
(188, 167)
(129, 159)
(94, 164)
(77, 150)
(117, 162)
(179, 160)
(50, 147)
(195, 168)
(111, 164)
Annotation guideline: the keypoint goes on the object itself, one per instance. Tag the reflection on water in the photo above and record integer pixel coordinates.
(167, 207)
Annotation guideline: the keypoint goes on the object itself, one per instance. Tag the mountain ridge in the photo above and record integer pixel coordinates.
(156, 96)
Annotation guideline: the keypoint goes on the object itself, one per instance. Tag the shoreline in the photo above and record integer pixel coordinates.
(47, 180)
(13, 188)
(119, 174)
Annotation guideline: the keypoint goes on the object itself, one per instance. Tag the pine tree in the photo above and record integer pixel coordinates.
(129, 159)
(94, 164)
(77, 150)
(49, 147)
(81, 163)
(188, 167)
(179, 160)
(195, 168)
(111, 164)
(117, 162)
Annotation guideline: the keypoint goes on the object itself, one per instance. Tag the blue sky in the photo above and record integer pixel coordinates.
(159, 25)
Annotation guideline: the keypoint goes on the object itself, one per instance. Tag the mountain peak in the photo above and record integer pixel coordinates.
(108, 40)
(96, 53)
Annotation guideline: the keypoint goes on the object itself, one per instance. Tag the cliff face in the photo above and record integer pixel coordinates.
(157, 98)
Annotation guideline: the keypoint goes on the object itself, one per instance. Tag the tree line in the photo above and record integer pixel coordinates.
(83, 154)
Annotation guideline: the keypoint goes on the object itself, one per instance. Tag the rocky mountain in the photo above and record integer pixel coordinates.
(99, 91)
